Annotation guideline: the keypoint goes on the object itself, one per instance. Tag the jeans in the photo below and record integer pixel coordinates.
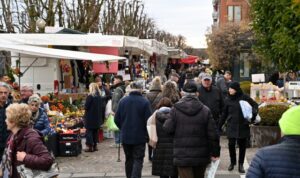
(92, 137)
(118, 137)
(192, 172)
(134, 155)
(242, 149)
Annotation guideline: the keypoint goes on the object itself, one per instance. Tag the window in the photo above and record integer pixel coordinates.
(234, 13)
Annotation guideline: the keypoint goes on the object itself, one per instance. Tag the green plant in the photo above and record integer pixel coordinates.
(270, 114)
(245, 86)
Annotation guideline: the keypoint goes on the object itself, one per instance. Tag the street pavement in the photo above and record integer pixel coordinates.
(103, 163)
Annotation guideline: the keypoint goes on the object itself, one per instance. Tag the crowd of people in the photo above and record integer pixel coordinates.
(191, 112)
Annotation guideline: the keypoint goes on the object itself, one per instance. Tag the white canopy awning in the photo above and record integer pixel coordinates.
(58, 53)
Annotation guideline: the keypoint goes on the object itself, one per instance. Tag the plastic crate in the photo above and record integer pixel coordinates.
(71, 148)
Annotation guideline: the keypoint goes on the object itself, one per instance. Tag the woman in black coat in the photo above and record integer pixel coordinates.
(93, 117)
(162, 163)
(238, 129)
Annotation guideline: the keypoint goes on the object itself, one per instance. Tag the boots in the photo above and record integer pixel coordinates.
(95, 148)
(89, 149)
(231, 167)
(241, 168)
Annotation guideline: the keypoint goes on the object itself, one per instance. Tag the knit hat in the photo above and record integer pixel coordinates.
(235, 86)
(156, 84)
(175, 75)
(136, 85)
(190, 87)
(290, 121)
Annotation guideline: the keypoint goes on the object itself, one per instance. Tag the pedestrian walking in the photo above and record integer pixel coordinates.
(24, 145)
(131, 117)
(223, 82)
(283, 159)
(26, 92)
(196, 141)
(154, 96)
(93, 117)
(4, 103)
(211, 96)
(118, 92)
(237, 128)
(162, 164)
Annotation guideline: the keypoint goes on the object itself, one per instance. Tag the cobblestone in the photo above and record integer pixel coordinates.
(103, 163)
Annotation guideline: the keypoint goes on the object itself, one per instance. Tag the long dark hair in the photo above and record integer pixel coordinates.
(164, 102)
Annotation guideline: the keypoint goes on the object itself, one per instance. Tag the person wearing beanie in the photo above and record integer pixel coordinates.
(154, 96)
(283, 159)
(237, 130)
(196, 141)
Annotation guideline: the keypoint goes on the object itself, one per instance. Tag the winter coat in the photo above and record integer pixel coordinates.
(42, 123)
(195, 133)
(154, 97)
(117, 95)
(94, 112)
(237, 126)
(37, 155)
(162, 162)
(222, 85)
(3, 128)
(277, 161)
(213, 100)
(131, 117)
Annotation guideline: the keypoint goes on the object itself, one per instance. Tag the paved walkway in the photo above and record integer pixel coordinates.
(103, 163)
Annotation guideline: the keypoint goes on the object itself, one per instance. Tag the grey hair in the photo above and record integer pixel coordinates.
(5, 85)
(34, 98)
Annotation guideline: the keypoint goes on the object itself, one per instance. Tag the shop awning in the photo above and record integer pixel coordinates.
(58, 53)
(190, 59)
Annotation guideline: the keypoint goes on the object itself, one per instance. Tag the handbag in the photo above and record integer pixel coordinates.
(25, 172)
(151, 128)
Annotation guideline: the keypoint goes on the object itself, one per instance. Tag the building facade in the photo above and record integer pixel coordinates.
(228, 11)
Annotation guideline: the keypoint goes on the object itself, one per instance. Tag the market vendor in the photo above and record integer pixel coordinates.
(39, 119)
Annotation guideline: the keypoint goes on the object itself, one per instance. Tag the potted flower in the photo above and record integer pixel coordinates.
(268, 131)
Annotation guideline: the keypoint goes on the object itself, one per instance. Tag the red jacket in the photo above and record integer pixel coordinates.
(37, 155)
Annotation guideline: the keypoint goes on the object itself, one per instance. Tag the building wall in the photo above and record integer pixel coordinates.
(223, 10)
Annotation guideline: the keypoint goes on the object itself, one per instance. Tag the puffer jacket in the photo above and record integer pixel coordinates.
(42, 123)
(162, 162)
(37, 155)
(195, 133)
(277, 161)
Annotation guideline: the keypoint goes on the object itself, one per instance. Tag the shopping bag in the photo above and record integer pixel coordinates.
(110, 123)
(246, 110)
(211, 172)
(151, 128)
(108, 108)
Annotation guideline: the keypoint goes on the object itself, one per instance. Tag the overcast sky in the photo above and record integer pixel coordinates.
(191, 18)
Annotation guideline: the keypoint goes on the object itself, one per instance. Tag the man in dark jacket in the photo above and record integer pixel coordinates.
(223, 82)
(281, 160)
(118, 93)
(196, 141)
(131, 117)
(4, 92)
(211, 97)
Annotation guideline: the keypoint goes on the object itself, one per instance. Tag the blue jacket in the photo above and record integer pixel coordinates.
(42, 123)
(131, 117)
(277, 161)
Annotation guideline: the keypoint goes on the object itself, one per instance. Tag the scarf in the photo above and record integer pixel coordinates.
(34, 117)
(6, 164)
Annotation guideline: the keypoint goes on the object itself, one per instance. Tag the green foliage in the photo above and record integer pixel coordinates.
(276, 26)
(245, 86)
(271, 114)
